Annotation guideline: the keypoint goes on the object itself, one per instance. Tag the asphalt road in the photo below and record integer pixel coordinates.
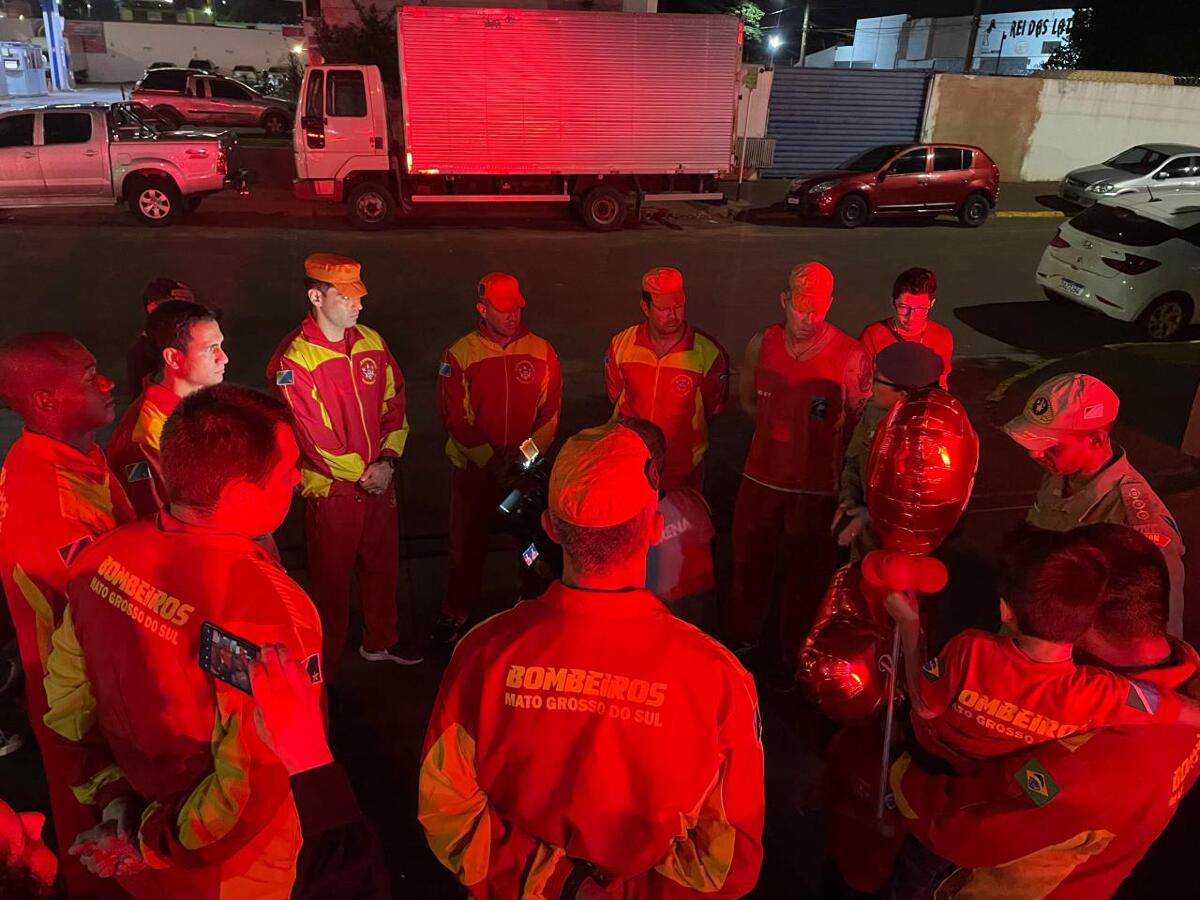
(83, 272)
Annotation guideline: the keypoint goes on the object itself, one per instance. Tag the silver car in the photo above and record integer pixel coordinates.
(1139, 169)
(193, 97)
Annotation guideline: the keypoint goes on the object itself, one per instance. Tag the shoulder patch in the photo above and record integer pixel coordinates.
(138, 471)
(312, 666)
(284, 377)
(932, 670)
(445, 370)
(1036, 782)
(1143, 696)
(68, 553)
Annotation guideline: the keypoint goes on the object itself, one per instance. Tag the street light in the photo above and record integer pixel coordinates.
(774, 42)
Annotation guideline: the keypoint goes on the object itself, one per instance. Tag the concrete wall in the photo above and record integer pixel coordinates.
(132, 46)
(1039, 129)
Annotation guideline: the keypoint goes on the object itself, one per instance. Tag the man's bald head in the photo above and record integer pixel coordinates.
(50, 381)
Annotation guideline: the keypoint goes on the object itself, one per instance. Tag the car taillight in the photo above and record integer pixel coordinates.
(1131, 264)
(222, 162)
(1059, 241)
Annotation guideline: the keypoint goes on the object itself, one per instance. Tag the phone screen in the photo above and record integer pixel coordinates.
(226, 656)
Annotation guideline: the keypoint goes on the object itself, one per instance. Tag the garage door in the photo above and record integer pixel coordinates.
(819, 118)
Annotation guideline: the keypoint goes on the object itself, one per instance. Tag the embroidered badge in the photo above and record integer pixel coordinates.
(1037, 784)
(69, 552)
(444, 370)
(312, 666)
(524, 371)
(284, 377)
(683, 384)
(932, 670)
(366, 368)
(138, 471)
(1039, 407)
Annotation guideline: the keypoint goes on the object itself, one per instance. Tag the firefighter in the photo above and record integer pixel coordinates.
(162, 744)
(671, 373)
(899, 369)
(552, 762)
(1066, 426)
(497, 386)
(914, 293)
(144, 359)
(805, 382)
(347, 395)
(189, 343)
(56, 496)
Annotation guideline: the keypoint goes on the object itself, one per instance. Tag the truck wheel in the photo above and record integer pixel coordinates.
(154, 199)
(974, 211)
(370, 206)
(168, 114)
(851, 212)
(276, 124)
(603, 209)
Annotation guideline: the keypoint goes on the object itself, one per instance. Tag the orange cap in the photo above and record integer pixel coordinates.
(341, 271)
(601, 478)
(811, 285)
(664, 284)
(501, 291)
(1067, 404)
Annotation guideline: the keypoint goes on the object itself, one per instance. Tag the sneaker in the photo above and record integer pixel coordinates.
(9, 743)
(447, 631)
(391, 654)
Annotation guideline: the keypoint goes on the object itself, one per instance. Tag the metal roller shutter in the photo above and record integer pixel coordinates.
(819, 118)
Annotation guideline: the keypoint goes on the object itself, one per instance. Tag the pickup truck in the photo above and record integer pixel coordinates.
(100, 154)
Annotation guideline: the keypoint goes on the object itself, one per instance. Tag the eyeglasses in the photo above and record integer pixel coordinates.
(904, 309)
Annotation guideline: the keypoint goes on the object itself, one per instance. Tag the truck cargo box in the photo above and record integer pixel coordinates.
(526, 92)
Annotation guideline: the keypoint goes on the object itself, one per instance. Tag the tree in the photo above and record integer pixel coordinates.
(370, 41)
(751, 15)
(1102, 38)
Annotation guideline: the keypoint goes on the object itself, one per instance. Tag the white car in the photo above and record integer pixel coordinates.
(1134, 258)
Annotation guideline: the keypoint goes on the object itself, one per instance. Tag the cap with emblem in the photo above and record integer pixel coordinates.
(907, 364)
(664, 285)
(501, 291)
(811, 286)
(1067, 404)
(601, 478)
(342, 272)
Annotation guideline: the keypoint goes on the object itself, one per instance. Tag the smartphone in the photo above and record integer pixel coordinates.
(226, 656)
(530, 451)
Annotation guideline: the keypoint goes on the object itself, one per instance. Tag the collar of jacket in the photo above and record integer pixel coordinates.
(1104, 480)
(1183, 666)
(486, 335)
(162, 398)
(168, 524)
(631, 603)
(642, 337)
(62, 454)
(312, 333)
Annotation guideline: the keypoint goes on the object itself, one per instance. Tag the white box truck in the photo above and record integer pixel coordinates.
(603, 110)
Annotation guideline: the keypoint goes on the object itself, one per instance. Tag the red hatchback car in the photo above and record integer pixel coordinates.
(902, 179)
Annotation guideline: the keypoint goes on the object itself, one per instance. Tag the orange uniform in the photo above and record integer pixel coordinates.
(349, 405)
(221, 822)
(936, 337)
(557, 735)
(991, 699)
(679, 392)
(806, 410)
(54, 501)
(133, 449)
(491, 399)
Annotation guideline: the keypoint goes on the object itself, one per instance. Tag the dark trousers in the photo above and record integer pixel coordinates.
(785, 535)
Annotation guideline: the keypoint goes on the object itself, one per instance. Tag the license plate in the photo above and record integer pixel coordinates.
(793, 201)
(1073, 287)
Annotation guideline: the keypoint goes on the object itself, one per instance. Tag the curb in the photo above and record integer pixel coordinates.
(1029, 214)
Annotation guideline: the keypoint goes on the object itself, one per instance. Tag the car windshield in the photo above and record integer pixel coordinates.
(1122, 226)
(1137, 160)
(873, 159)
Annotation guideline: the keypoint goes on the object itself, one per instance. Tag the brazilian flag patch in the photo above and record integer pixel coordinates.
(1036, 782)
(932, 670)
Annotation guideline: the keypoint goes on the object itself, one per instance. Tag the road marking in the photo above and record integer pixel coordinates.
(1001, 389)
(1029, 214)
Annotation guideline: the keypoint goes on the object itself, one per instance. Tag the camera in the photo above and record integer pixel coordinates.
(527, 480)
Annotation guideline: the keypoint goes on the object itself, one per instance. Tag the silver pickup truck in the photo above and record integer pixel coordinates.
(100, 154)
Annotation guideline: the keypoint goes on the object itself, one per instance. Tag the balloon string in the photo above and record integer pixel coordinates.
(887, 726)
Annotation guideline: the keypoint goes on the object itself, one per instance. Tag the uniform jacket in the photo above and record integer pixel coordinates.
(679, 391)
(133, 449)
(806, 409)
(992, 699)
(54, 501)
(937, 338)
(492, 398)
(124, 684)
(1120, 495)
(348, 401)
(1068, 819)
(596, 726)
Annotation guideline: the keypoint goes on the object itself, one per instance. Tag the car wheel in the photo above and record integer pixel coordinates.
(852, 211)
(1166, 317)
(154, 200)
(603, 208)
(173, 120)
(370, 206)
(276, 124)
(974, 211)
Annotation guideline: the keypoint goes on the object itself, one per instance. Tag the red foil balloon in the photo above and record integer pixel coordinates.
(920, 473)
(851, 595)
(839, 669)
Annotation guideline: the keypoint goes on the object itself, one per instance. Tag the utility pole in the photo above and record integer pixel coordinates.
(970, 57)
(804, 34)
